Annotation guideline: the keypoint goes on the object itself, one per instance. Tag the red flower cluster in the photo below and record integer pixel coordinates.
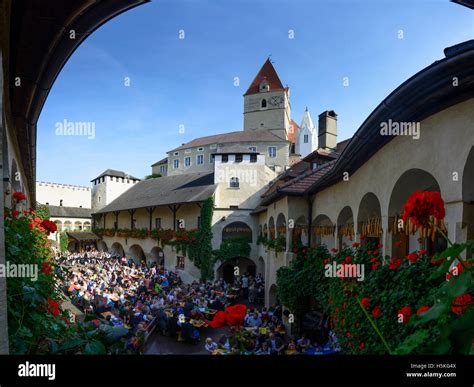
(53, 307)
(422, 309)
(355, 245)
(348, 259)
(15, 213)
(375, 263)
(19, 196)
(406, 313)
(49, 226)
(413, 257)
(461, 303)
(395, 263)
(365, 302)
(376, 311)
(334, 250)
(362, 238)
(421, 206)
(46, 268)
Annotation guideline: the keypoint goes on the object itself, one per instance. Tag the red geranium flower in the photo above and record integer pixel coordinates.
(48, 225)
(53, 307)
(423, 252)
(376, 311)
(380, 245)
(361, 346)
(19, 196)
(413, 257)
(422, 309)
(348, 259)
(395, 263)
(461, 303)
(421, 206)
(362, 238)
(334, 250)
(46, 268)
(365, 302)
(406, 313)
(376, 252)
(438, 262)
(15, 213)
(355, 245)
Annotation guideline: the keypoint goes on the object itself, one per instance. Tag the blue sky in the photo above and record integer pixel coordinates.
(190, 81)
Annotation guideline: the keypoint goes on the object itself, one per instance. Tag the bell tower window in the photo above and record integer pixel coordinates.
(263, 104)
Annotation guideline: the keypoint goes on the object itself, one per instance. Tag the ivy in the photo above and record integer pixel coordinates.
(231, 248)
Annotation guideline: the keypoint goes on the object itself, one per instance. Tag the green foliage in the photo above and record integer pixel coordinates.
(36, 322)
(42, 212)
(277, 244)
(153, 176)
(233, 247)
(63, 241)
(200, 251)
(440, 330)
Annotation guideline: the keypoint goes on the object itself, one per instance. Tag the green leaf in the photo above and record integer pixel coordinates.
(412, 341)
(452, 251)
(458, 284)
(70, 344)
(94, 347)
(436, 311)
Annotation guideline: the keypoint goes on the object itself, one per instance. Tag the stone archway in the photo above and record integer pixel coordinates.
(157, 255)
(345, 227)
(369, 219)
(137, 254)
(117, 249)
(102, 246)
(323, 231)
(403, 241)
(226, 270)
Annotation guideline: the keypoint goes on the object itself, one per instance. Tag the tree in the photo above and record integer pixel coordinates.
(153, 176)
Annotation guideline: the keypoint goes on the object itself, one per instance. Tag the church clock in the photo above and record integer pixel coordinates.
(276, 101)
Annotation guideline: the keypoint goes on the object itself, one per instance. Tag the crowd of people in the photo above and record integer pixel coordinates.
(144, 298)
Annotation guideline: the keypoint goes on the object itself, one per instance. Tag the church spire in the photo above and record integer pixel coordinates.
(268, 76)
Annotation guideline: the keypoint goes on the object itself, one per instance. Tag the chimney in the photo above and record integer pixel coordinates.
(327, 130)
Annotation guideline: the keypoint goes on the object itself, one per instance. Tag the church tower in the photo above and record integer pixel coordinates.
(307, 138)
(267, 103)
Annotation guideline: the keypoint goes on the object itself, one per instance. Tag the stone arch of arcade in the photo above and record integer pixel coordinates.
(401, 239)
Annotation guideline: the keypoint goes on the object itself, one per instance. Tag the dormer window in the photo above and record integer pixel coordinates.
(263, 104)
(264, 86)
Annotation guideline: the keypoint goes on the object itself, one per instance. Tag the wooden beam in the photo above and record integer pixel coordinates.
(150, 213)
(116, 213)
(131, 212)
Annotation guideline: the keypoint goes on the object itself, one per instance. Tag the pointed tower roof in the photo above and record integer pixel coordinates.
(307, 122)
(268, 73)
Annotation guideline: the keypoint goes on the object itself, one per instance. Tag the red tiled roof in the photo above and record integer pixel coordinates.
(300, 184)
(269, 73)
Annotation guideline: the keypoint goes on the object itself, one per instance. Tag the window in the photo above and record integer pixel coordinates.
(211, 158)
(176, 153)
(61, 201)
(187, 161)
(238, 158)
(234, 182)
(225, 158)
(253, 158)
(180, 262)
(233, 207)
(176, 164)
(253, 148)
(272, 151)
(157, 222)
(200, 149)
(264, 86)
(305, 138)
(263, 105)
(200, 159)
(162, 168)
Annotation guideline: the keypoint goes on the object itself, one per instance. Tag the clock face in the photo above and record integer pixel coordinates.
(276, 101)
